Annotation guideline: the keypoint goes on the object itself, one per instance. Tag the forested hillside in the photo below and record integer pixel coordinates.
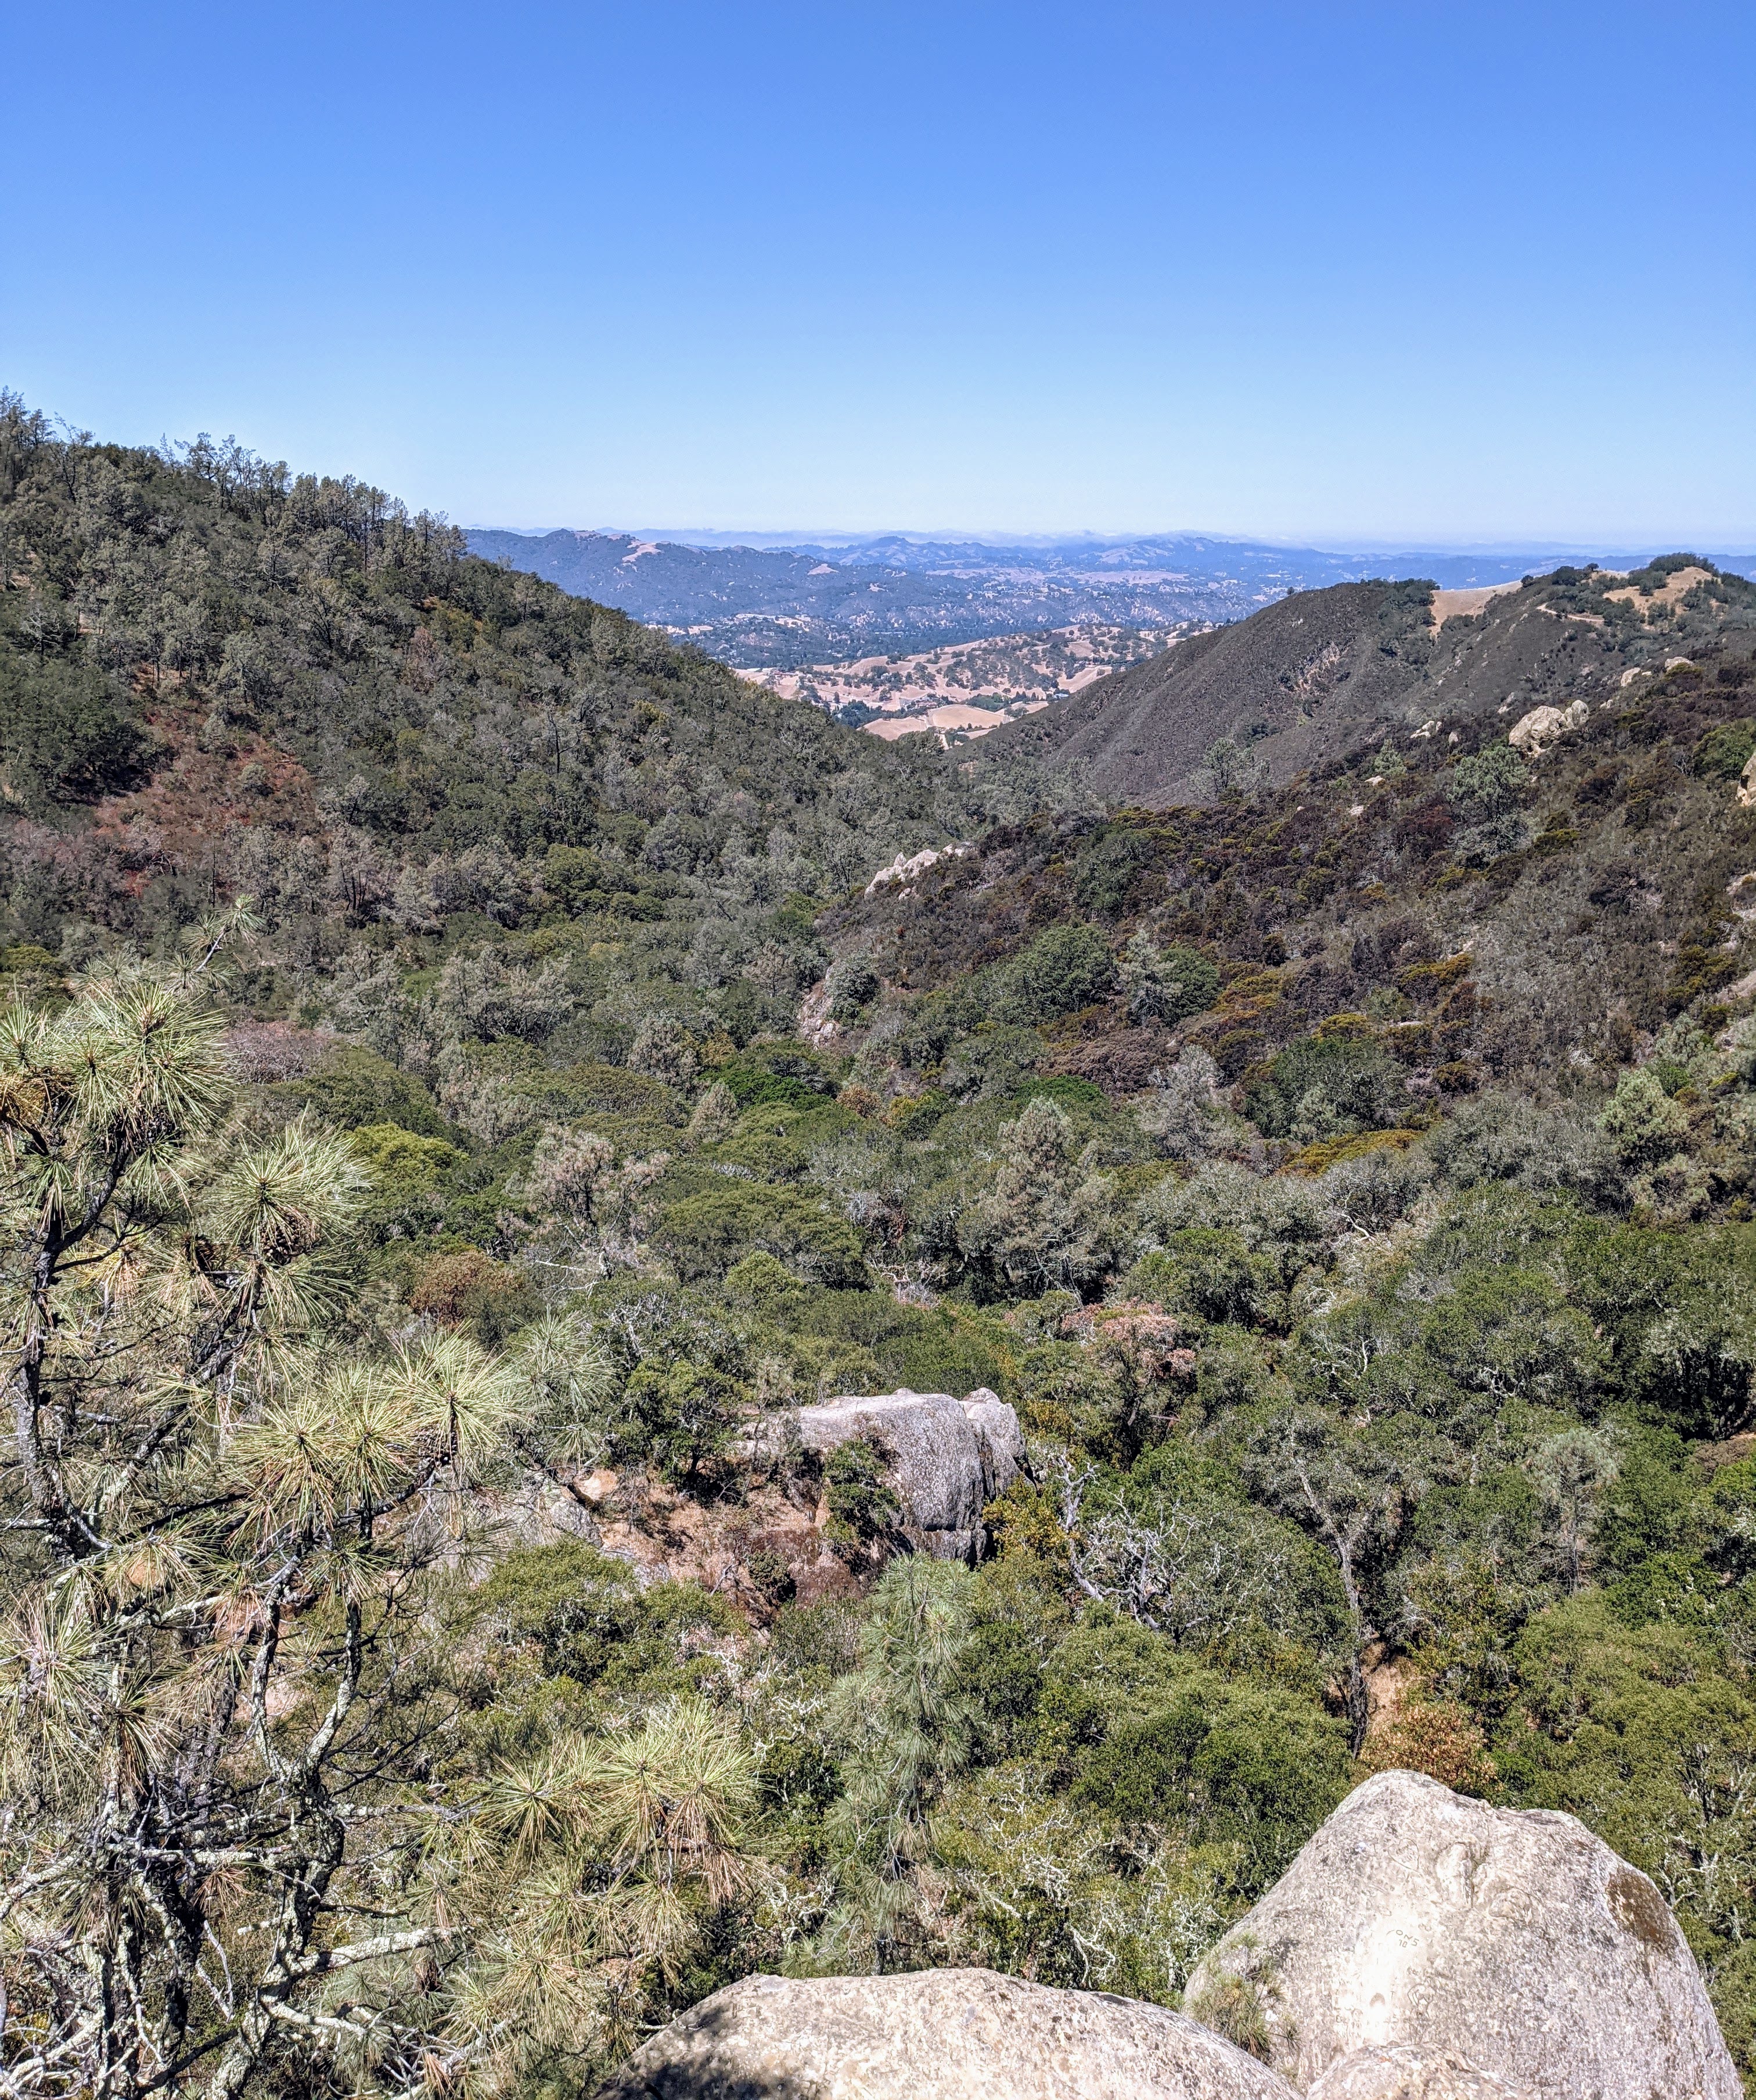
(207, 659)
(464, 1091)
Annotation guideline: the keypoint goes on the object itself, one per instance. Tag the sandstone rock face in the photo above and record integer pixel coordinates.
(948, 1457)
(1517, 1940)
(1406, 2071)
(945, 2034)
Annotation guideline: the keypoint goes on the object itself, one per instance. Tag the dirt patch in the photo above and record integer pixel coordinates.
(759, 1553)
(1466, 604)
(1386, 1685)
(1670, 593)
(182, 816)
(1711, 1457)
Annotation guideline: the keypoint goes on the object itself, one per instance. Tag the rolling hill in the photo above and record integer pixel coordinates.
(784, 608)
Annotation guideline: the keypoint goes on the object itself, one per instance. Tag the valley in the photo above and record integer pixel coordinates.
(962, 691)
(658, 1342)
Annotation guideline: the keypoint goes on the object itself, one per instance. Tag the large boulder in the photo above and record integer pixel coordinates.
(943, 2034)
(947, 1458)
(997, 1438)
(1532, 733)
(1406, 2070)
(1515, 1939)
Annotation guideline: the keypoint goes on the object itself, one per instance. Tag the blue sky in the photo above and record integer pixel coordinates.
(1417, 273)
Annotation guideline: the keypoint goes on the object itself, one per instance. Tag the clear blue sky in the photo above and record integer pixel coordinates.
(1395, 273)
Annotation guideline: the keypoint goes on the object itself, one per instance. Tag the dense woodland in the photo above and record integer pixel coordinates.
(459, 1096)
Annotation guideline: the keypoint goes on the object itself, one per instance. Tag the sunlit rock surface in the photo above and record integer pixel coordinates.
(1513, 1938)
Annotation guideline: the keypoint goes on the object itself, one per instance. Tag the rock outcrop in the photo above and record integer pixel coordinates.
(1424, 1946)
(947, 1458)
(1515, 1939)
(1406, 2071)
(944, 2034)
(998, 1437)
(1532, 732)
(905, 866)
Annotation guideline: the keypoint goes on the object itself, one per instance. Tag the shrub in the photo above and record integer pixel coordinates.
(703, 1235)
(1498, 1138)
(1105, 869)
(407, 1172)
(355, 1088)
(664, 1049)
(1441, 1739)
(993, 1063)
(63, 735)
(1324, 1087)
(765, 1285)
(1206, 1273)
(853, 984)
(1642, 1121)
(789, 1079)
(588, 1617)
(1066, 1087)
(1485, 793)
(863, 1508)
(678, 1415)
(1043, 1217)
(1062, 970)
(471, 1290)
(1725, 751)
(1237, 2008)
(949, 1349)
(1168, 984)
(1242, 1766)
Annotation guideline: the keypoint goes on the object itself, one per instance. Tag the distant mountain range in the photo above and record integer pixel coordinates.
(833, 600)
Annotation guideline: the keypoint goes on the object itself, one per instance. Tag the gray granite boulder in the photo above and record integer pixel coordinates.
(947, 1458)
(1407, 2071)
(999, 1439)
(942, 2034)
(1515, 1939)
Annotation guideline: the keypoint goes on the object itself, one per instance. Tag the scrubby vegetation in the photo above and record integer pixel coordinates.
(458, 1099)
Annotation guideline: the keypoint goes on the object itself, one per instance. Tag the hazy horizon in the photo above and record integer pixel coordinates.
(1635, 545)
(1370, 277)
